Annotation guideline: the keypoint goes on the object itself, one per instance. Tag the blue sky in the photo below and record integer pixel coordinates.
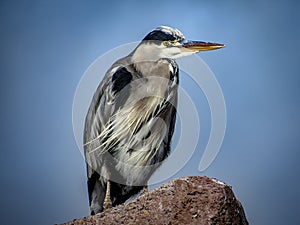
(47, 45)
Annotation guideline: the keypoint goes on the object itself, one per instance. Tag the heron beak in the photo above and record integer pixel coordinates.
(197, 46)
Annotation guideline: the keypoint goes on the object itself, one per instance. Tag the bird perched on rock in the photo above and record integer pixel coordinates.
(130, 121)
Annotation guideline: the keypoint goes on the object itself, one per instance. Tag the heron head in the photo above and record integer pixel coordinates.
(167, 42)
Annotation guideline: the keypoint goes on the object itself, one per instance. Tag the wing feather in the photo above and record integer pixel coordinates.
(102, 108)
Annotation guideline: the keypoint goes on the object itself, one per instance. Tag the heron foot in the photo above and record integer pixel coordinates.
(144, 190)
(107, 204)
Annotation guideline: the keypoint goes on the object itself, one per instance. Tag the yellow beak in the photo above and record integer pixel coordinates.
(197, 46)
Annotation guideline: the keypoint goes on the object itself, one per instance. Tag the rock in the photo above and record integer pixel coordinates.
(189, 200)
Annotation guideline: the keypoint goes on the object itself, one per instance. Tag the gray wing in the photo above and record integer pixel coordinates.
(104, 104)
(101, 110)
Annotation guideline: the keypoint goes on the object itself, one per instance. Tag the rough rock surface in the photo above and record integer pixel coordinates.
(189, 200)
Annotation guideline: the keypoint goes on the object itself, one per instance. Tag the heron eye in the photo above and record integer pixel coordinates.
(166, 43)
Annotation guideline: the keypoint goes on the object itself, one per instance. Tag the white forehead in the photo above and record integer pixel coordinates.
(172, 31)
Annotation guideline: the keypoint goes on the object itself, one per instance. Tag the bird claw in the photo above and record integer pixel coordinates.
(144, 190)
(107, 204)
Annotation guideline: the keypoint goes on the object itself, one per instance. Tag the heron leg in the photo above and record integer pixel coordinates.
(144, 190)
(107, 200)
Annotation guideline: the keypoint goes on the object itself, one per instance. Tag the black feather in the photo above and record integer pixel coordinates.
(121, 78)
(91, 184)
(158, 35)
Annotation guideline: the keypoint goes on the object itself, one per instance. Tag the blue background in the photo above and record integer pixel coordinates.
(45, 48)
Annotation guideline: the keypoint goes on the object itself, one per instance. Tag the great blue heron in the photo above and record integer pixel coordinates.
(130, 122)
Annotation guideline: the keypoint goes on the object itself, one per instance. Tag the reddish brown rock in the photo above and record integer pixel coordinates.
(190, 200)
